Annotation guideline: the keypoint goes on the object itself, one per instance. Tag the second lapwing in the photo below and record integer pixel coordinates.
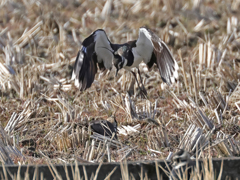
(105, 127)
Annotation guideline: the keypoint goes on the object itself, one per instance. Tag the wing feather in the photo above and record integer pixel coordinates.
(96, 49)
(85, 68)
(162, 56)
(104, 127)
(166, 64)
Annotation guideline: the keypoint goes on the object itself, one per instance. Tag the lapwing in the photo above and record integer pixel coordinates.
(148, 48)
(96, 50)
(105, 128)
(182, 165)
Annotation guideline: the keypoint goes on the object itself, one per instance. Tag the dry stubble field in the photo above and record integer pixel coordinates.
(44, 117)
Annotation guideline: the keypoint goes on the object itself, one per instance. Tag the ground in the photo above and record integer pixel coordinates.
(47, 118)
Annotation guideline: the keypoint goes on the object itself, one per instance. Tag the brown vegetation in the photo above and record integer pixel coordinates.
(44, 117)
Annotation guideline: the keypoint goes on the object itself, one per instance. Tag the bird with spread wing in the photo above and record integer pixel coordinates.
(97, 50)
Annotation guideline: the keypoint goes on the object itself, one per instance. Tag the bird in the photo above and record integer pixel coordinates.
(105, 128)
(150, 49)
(182, 163)
(98, 50)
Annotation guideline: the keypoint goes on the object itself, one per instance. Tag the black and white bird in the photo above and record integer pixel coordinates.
(105, 128)
(97, 49)
(182, 165)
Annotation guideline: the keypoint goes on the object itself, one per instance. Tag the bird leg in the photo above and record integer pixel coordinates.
(142, 89)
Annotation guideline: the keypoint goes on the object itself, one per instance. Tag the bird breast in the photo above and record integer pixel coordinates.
(137, 60)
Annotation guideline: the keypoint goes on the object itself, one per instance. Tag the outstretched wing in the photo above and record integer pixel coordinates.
(154, 50)
(96, 49)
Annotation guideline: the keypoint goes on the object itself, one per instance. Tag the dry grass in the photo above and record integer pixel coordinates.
(45, 117)
(198, 173)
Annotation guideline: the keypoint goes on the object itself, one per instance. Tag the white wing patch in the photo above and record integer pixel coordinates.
(144, 45)
(148, 45)
(74, 75)
(103, 49)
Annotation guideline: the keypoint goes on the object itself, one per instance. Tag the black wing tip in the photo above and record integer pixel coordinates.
(102, 30)
(171, 76)
(83, 72)
(98, 30)
(88, 40)
(168, 66)
(85, 66)
(81, 86)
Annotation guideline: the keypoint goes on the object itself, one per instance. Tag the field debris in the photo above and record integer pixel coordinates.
(46, 118)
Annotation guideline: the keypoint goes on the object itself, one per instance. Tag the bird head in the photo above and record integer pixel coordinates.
(119, 58)
(118, 62)
(182, 156)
